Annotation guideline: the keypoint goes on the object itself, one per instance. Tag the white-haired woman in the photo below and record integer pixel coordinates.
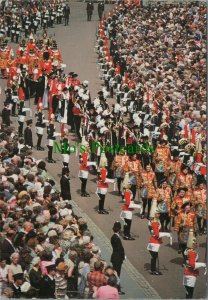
(14, 267)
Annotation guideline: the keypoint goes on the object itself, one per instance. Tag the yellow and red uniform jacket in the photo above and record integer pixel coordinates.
(136, 168)
(185, 180)
(148, 179)
(162, 154)
(185, 220)
(5, 55)
(178, 202)
(200, 197)
(165, 195)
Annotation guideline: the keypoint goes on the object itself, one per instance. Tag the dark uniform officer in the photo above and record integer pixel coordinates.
(90, 8)
(47, 285)
(65, 184)
(118, 254)
(28, 134)
(66, 13)
(101, 7)
(18, 280)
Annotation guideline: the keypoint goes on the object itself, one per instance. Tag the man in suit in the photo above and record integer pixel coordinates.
(7, 246)
(118, 254)
(47, 285)
(65, 184)
(16, 285)
(28, 134)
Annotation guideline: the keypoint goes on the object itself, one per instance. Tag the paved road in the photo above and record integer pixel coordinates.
(76, 43)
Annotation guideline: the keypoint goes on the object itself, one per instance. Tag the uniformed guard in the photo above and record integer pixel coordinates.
(28, 134)
(40, 125)
(127, 208)
(51, 138)
(101, 8)
(84, 166)
(21, 116)
(102, 186)
(90, 8)
(192, 266)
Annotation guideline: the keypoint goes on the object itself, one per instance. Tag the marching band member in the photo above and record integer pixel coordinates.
(164, 198)
(135, 170)
(6, 53)
(174, 169)
(191, 271)
(161, 157)
(186, 220)
(118, 163)
(200, 201)
(103, 185)
(156, 237)
(177, 203)
(127, 208)
(185, 179)
(148, 187)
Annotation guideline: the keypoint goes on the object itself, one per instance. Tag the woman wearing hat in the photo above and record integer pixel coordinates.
(191, 271)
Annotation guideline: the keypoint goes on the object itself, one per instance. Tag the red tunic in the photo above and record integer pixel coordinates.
(127, 197)
(154, 239)
(192, 257)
